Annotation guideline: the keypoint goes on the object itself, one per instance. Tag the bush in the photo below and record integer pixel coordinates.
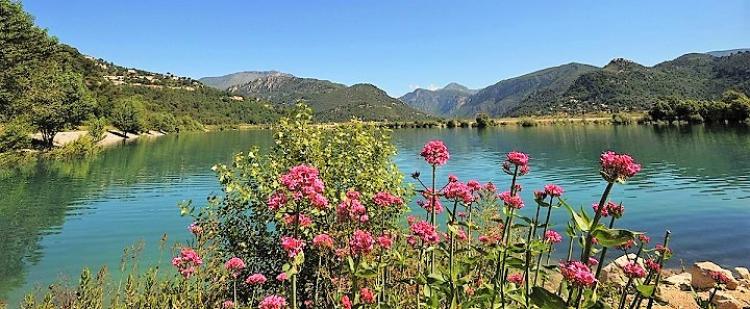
(15, 135)
(128, 115)
(527, 122)
(96, 127)
(621, 118)
(162, 122)
(483, 120)
(452, 123)
(84, 146)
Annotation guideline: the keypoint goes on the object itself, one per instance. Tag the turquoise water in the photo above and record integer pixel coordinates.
(56, 218)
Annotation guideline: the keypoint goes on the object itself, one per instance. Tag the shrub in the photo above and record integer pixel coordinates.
(452, 123)
(15, 135)
(527, 122)
(483, 120)
(621, 118)
(96, 127)
(84, 146)
(128, 115)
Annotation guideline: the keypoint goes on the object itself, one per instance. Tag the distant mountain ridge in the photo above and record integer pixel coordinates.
(225, 81)
(442, 102)
(330, 101)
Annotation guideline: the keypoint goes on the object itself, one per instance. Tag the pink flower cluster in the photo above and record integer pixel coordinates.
(361, 243)
(633, 270)
(515, 159)
(427, 203)
(553, 190)
(424, 231)
(291, 220)
(304, 181)
(552, 237)
(459, 191)
(576, 273)
(618, 167)
(256, 279)
(323, 241)
(386, 199)
(366, 296)
(385, 241)
(511, 201)
(516, 278)
(195, 229)
(227, 304)
(292, 246)
(346, 303)
(652, 265)
(272, 302)
(610, 209)
(187, 262)
(352, 208)
(235, 265)
(719, 277)
(435, 153)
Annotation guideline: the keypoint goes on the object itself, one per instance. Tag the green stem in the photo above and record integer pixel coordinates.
(661, 264)
(544, 232)
(506, 240)
(604, 252)
(588, 242)
(433, 220)
(451, 252)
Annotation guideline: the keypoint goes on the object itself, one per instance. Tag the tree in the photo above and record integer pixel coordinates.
(55, 100)
(483, 120)
(128, 114)
(739, 105)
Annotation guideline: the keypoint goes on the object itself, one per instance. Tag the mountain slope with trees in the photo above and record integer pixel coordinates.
(442, 102)
(225, 81)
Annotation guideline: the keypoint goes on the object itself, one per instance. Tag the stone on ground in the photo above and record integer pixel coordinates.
(701, 276)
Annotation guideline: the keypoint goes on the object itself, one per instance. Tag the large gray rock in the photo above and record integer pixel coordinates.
(701, 276)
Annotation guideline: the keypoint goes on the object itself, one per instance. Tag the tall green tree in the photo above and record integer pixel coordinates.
(128, 114)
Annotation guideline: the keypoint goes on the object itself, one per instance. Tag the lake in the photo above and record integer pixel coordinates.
(56, 218)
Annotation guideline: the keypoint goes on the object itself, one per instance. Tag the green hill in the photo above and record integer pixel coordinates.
(442, 102)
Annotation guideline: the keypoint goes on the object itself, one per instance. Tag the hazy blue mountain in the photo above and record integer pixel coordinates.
(442, 102)
(723, 53)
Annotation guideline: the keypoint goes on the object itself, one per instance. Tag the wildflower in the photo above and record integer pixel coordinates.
(540, 195)
(511, 201)
(425, 231)
(303, 181)
(719, 277)
(366, 296)
(490, 187)
(553, 190)
(644, 239)
(276, 201)
(516, 278)
(304, 221)
(461, 235)
(474, 185)
(435, 153)
(552, 237)
(576, 273)
(488, 239)
(227, 304)
(256, 279)
(627, 245)
(633, 270)
(385, 241)
(341, 253)
(652, 265)
(452, 178)
(361, 242)
(517, 158)
(523, 170)
(195, 229)
(345, 302)
(282, 276)
(428, 204)
(235, 265)
(618, 167)
(459, 191)
(292, 246)
(385, 199)
(610, 209)
(592, 262)
(352, 208)
(323, 241)
(187, 262)
(272, 302)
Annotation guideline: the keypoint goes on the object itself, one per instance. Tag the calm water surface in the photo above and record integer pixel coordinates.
(56, 218)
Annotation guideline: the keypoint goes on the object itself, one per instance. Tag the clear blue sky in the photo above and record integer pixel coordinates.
(395, 45)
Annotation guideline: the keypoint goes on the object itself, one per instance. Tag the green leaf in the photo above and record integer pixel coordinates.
(581, 221)
(545, 299)
(613, 237)
(645, 290)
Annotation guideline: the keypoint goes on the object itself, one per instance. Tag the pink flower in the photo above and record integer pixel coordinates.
(490, 187)
(644, 238)
(576, 273)
(272, 302)
(516, 278)
(553, 190)
(474, 185)
(540, 195)
(385, 241)
(459, 191)
(235, 265)
(461, 235)
(517, 158)
(187, 262)
(303, 181)
(227, 304)
(195, 229)
(435, 153)
(323, 241)
(618, 167)
(282, 276)
(610, 209)
(256, 279)
(426, 232)
(633, 270)
(452, 178)
(361, 242)
(719, 277)
(352, 208)
(385, 199)
(592, 262)
(511, 201)
(292, 246)
(366, 296)
(276, 201)
(552, 237)
(627, 245)
(652, 265)
(291, 220)
(427, 203)
(345, 302)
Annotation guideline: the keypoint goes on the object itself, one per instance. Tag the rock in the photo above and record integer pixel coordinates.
(612, 272)
(675, 298)
(681, 281)
(701, 277)
(729, 300)
(743, 272)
